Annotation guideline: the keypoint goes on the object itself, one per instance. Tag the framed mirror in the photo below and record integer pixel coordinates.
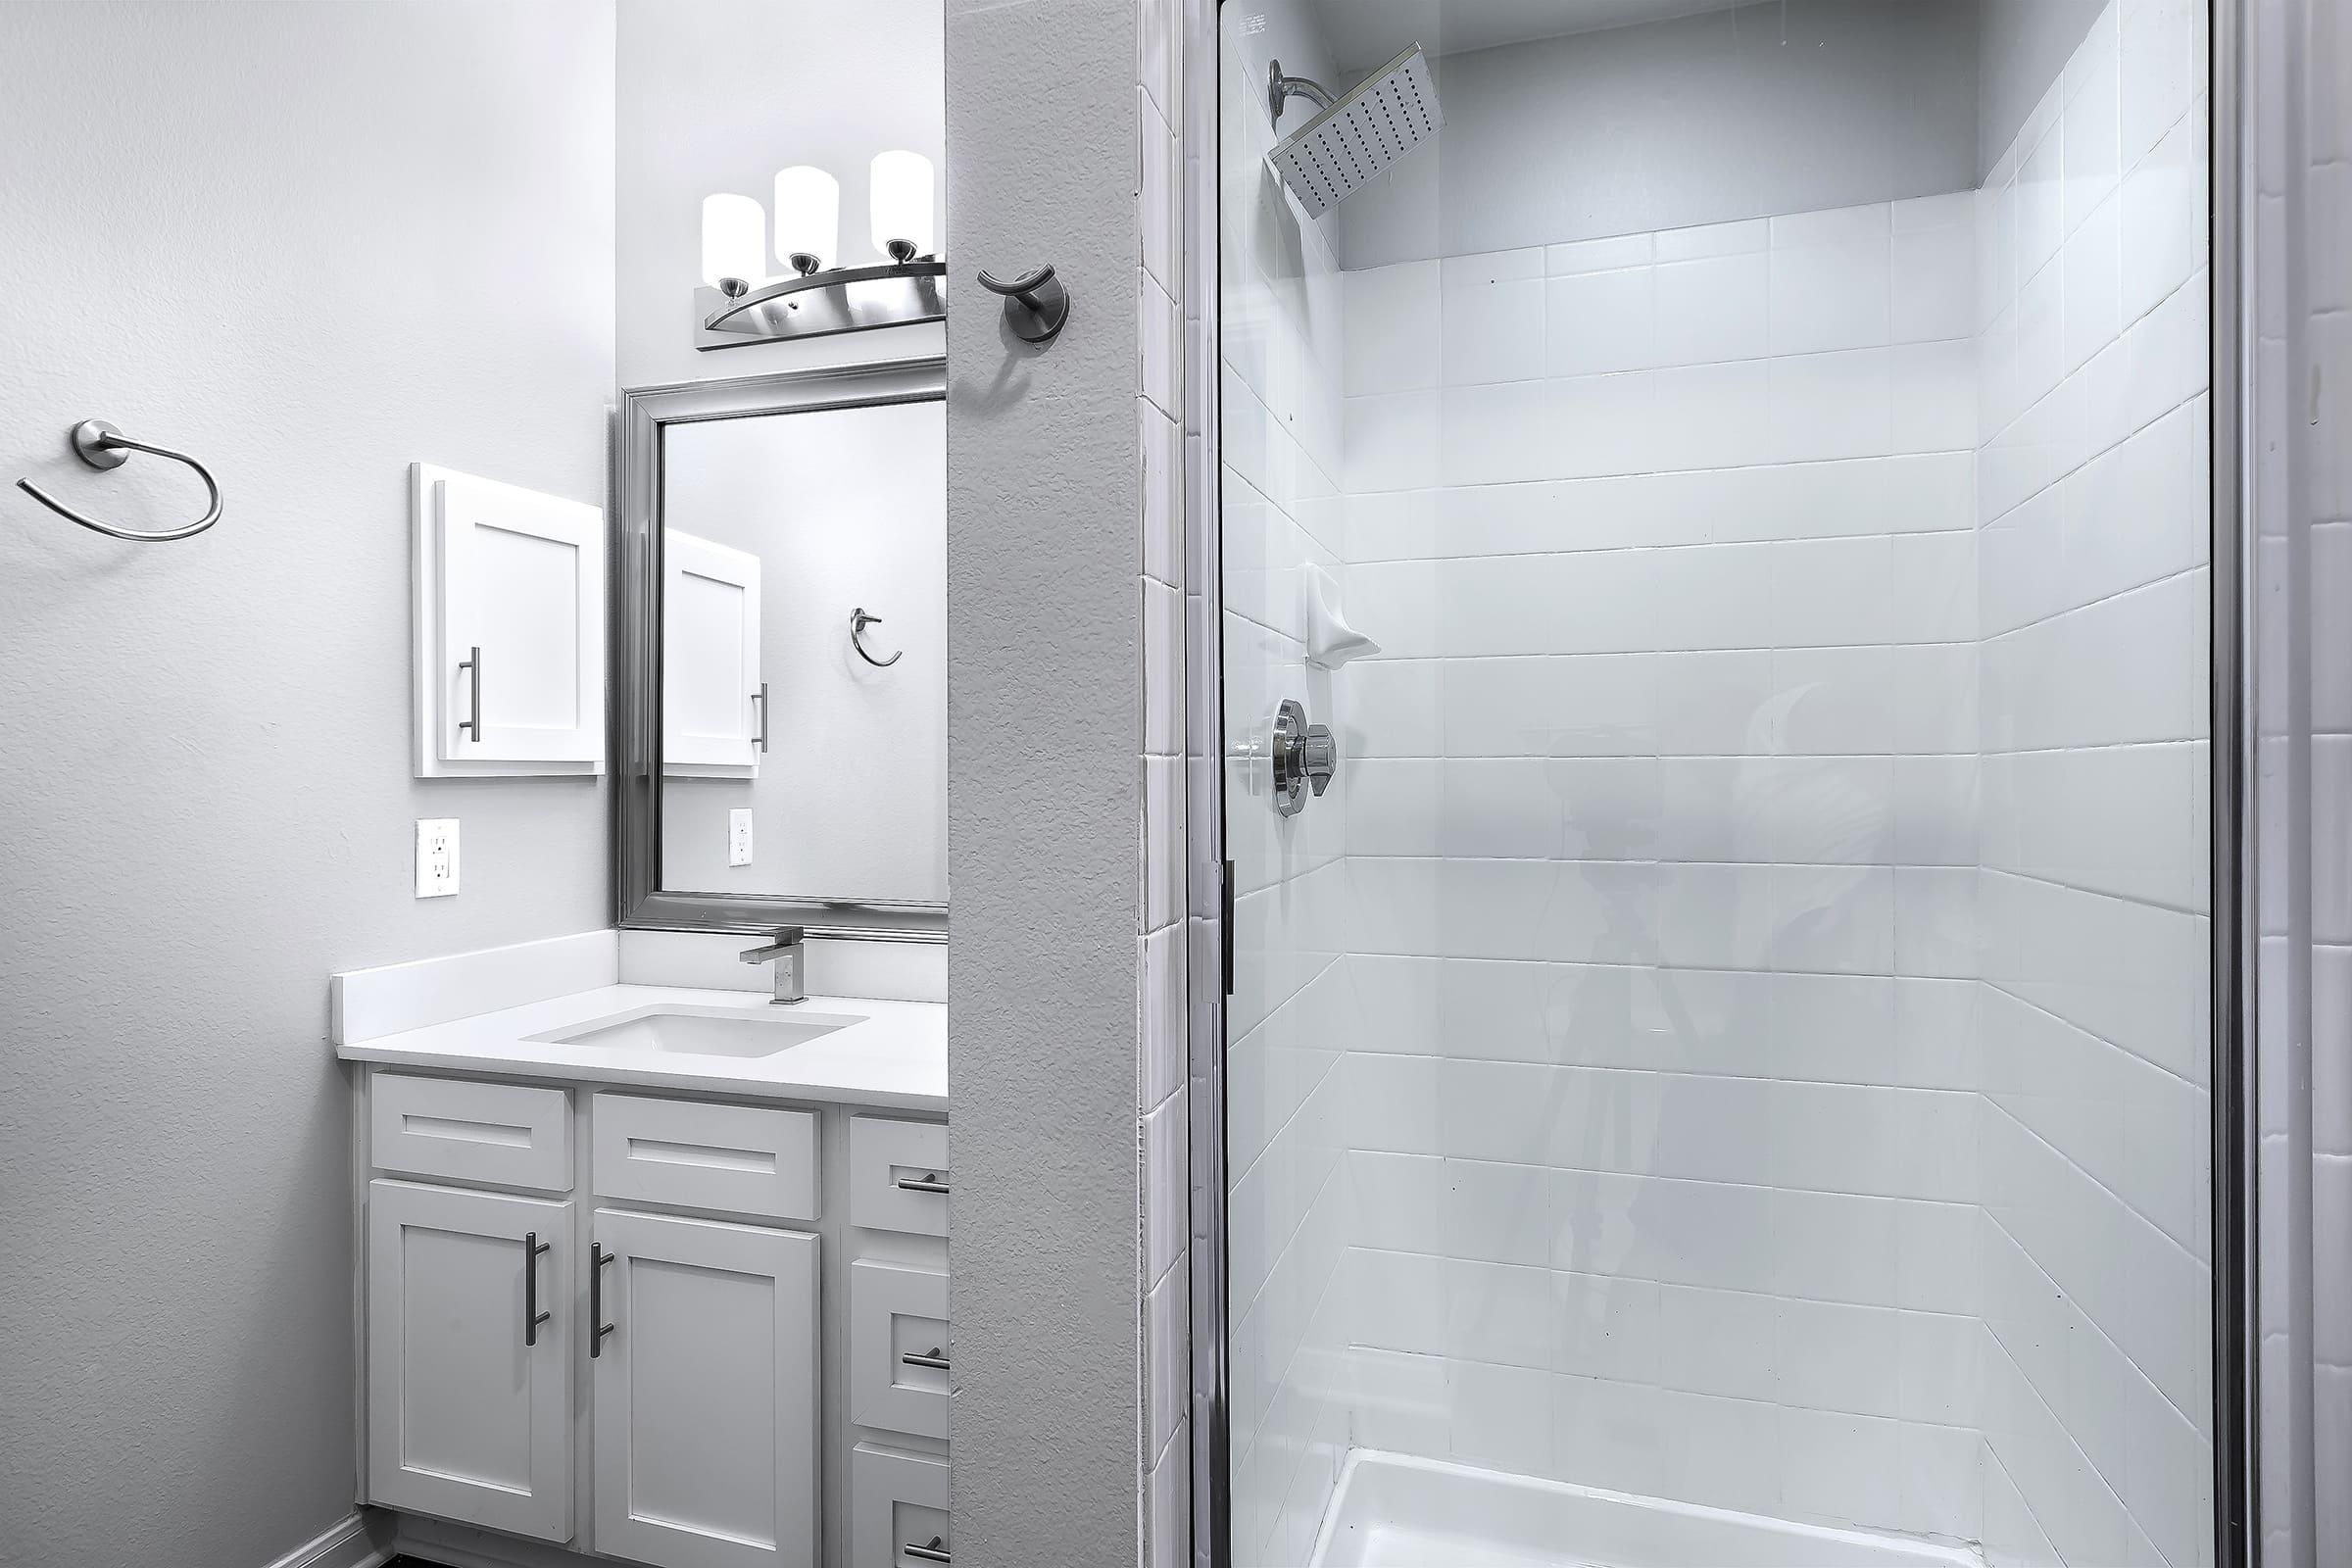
(780, 653)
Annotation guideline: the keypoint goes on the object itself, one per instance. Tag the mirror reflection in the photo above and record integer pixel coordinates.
(803, 592)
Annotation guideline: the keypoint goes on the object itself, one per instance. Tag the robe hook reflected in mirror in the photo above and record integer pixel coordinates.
(859, 621)
(102, 446)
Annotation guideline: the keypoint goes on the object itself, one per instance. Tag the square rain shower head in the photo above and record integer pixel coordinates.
(1376, 122)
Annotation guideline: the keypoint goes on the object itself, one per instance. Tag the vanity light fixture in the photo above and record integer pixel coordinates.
(739, 304)
(807, 217)
(734, 243)
(900, 183)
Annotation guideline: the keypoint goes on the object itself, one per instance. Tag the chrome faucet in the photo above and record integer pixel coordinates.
(791, 955)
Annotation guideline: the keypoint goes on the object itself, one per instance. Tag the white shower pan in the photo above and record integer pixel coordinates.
(1391, 1512)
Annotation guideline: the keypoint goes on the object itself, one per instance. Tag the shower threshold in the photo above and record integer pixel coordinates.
(1392, 1511)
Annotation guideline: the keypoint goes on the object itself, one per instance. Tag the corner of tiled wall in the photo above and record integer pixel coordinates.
(1163, 1490)
(2091, 1029)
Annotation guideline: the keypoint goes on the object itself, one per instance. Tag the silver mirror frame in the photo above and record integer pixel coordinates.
(645, 413)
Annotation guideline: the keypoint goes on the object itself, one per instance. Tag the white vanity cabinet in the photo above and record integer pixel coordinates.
(468, 1359)
(690, 1339)
(706, 1392)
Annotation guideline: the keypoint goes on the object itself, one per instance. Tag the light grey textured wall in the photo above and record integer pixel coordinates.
(308, 243)
(716, 95)
(1775, 108)
(2022, 46)
(1044, 799)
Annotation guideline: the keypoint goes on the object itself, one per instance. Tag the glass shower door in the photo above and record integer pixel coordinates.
(1723, 1016)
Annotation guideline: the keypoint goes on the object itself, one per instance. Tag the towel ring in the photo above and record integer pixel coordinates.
(102, 446)
(859, 621)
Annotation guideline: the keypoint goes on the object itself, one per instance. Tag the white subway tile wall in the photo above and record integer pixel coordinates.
(1286, 1210)
(1659, 863)
(2313, 44)
(1164, 1288)
(2093, 1020)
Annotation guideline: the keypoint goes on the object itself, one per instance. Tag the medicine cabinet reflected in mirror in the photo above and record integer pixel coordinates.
(780, 673)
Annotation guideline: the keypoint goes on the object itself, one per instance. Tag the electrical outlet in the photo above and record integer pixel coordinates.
(739, 838)
(436, 857)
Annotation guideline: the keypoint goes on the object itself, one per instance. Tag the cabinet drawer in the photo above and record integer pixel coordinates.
(502, 1133)
(898, 1347)
(899, 1175)
(898, 1509)
(741, 1159)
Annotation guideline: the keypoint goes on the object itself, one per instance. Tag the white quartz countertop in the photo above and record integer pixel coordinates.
(896, 1055)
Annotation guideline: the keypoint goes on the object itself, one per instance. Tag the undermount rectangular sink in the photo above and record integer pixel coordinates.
(685, 1031)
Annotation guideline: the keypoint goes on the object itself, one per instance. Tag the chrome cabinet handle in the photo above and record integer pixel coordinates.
(859, 621)
(533, 1317)
(102, 446)
(931, 1359)
(931, 1553)
(928, 1182)
(760, 697)
(1036, 305)
(598, 1258)
(474, 667)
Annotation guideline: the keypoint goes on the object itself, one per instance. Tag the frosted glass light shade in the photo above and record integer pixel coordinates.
(901, 201)
(807, 214)
(734, 239)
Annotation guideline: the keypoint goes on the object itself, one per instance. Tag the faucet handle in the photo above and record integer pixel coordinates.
(782, 939)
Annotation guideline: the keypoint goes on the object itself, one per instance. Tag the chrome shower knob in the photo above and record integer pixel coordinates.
(1304, 756)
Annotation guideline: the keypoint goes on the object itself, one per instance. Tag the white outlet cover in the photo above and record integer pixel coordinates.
(739, 837)
(436, 857)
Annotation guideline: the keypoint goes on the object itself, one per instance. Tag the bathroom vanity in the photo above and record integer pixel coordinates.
(658, 1274)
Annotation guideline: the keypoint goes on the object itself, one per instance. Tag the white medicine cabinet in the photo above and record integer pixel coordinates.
(714, 714)
(509, 628)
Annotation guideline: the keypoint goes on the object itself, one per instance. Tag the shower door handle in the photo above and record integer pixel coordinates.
(1306, 757)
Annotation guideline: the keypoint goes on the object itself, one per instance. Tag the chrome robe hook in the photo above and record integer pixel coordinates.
(102, 446)
(859, 621)
(1036, 305)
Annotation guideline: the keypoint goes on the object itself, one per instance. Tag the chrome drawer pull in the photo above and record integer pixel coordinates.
(928, 1182)
(930, 1553)
(533, 1317)
(598, 1258)
(474, 667)
(934, 1360)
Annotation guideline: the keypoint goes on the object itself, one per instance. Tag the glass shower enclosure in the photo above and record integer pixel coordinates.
(1716, 528)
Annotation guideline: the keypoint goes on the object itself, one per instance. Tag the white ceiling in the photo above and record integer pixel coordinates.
(1368, 32)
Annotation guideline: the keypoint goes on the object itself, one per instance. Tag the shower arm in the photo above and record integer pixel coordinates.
(1281, 89)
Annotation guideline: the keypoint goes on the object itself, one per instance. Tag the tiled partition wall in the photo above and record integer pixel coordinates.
(1164, 1447)
(1281, 348)
(1661, 833)
(2093, 1020)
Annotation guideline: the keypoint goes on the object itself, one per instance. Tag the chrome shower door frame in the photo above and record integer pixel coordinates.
(2237, 1452)
(2232, 894)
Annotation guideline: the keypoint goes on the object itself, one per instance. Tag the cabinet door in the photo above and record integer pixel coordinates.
(469, 1401)
(522, 580)
(712, 706)
(705, 1393)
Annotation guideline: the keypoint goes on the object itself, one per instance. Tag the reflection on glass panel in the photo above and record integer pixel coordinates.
(1733, 1029)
